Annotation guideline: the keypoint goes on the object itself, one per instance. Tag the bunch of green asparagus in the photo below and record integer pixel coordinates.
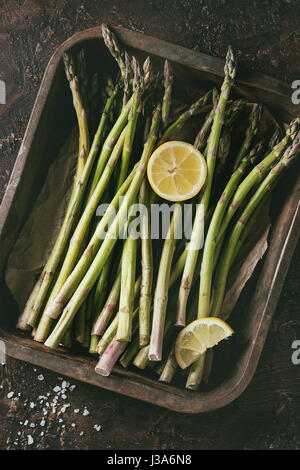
(123, 298)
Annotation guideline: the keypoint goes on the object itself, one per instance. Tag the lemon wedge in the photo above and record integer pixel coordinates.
(197, 337)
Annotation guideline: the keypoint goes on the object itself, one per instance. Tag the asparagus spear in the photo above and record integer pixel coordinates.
(232, 244)
(162, 286)
(72, 210)
(201, 137)
(77, 84)
(230, 73)
(167, 99)
(109, 307)
(184, 117)
(81, 231)
(212, 149)
(170, 366)
(111, 331)
(124, 331)
(208, 259)
(101, 257)
(267, 185)
(132, 123)
(255, 117)
(55, 307)
(147, 268)
(113, 352)
(257, 174)
(38, 295)
(130, 352)
(114, 48)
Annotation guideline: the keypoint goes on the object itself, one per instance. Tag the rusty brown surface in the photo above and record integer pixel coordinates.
(265, 34)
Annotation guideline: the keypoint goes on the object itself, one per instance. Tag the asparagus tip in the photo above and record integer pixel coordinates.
(230, 64)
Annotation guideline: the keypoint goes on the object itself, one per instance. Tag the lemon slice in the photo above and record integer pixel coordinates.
(197, 337)
(176, 171)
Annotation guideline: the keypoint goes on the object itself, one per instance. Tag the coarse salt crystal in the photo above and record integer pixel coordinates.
(10, 394)
(40, 377)
(30, 440)
(97, 427)
(57, 389)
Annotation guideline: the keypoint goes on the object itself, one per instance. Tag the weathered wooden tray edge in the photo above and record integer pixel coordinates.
(265, 299)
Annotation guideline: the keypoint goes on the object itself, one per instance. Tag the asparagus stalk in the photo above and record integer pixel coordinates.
(167, 99)
(184, 117)
(275, 139)
(38, 295)
(128, 144)
(161, 290)
(147, 268)
(233, 245)
(109, 307)
(201, 137)
(228, 253)
(55, 307)
(202, 370)
(114, 48)
(170, 367)
(196, 373)
(80, 324)
(124, 331)
(76, 84)
(251, 132)
(212, 149)
(113, 298)
(257, 174)
(99, 301)
(131, 351)
(71, 213)
(231, 116)
(209, 356)
(110, 142)
(113, 352)
(112, 329)
(83, 225)
(101, 257)
(208, 260)
(110, 357)
(213, 143)
(189, 266)
(81, 231)
(141, 360)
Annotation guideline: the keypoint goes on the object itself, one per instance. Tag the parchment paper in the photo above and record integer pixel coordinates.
(39, 233)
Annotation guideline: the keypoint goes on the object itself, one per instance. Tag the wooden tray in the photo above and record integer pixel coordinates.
(53, 115)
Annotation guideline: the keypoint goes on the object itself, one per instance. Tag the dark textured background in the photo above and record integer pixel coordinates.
(265, 34)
